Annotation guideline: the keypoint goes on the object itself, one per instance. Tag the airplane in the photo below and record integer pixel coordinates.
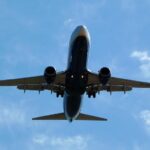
(75, 81)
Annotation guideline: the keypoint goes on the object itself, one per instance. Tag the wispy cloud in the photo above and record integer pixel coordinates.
(145, 116)
(83, 12)
(11, 114)
(68, 21)
(40, 139)
(144, 58)
(141, 55)
(20, 55)
(77, 142)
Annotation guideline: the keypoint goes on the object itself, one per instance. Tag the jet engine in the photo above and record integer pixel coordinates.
(104, 75)
(50, 74)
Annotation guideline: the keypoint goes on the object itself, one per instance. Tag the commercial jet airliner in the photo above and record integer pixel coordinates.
(75, 81)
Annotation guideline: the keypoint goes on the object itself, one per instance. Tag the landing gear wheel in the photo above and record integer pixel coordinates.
(94, 95)
(57, 94)
(89, 95)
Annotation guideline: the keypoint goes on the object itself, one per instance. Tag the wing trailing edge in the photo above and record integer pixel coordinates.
(90, 117)
(61, 116)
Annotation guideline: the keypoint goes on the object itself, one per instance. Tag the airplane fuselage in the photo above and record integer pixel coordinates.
(76, 77)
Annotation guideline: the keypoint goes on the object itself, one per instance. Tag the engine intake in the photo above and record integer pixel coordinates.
(104, 75)
(50, 74)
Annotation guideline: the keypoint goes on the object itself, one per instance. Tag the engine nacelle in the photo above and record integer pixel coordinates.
(104, 75)
(50, 74)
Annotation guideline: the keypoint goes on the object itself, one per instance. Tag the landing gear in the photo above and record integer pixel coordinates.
(59, 94)
(94, 95)
(91, 94)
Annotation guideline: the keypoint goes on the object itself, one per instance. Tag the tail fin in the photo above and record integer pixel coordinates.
(61, 116)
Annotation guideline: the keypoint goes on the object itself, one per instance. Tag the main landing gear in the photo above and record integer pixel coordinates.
(91, 94)
(59, 94)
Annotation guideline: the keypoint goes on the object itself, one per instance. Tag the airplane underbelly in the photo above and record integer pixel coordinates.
(72, 105)
(78, 55)
(76, 83)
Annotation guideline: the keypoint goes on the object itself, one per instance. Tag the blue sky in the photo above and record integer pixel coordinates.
(35, 34)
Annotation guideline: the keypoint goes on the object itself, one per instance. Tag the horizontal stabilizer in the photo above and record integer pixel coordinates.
(89, 117)
(61, 116)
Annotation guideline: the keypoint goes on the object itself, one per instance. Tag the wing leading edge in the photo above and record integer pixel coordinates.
(126, 82)
(114, 84)
(37, 83)
(23, 81)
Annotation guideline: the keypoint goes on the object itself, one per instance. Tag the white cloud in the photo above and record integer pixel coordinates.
(145, 68)
(11, 115)
(145, 116)
(68, 21)
(141, 55)
(40, 139)
(144, 58)
(24, 55)
(77, 142)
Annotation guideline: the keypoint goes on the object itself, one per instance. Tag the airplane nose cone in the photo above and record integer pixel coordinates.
(82, 30)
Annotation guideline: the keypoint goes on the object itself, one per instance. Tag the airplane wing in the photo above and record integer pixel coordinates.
(114, 84)
(126, 82)
(36, 83)
(23, 81)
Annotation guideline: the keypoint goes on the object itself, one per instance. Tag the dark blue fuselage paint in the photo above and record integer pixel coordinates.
(76, 74)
